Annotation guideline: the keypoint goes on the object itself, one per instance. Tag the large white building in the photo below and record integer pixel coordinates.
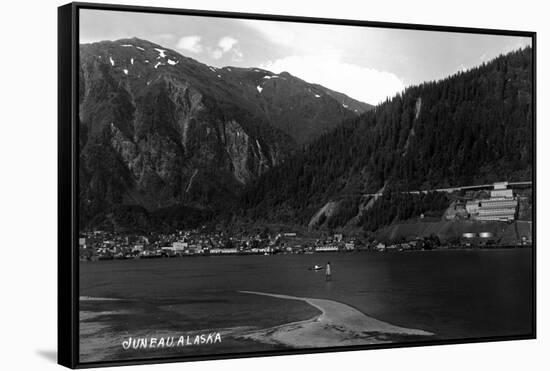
(501, 206)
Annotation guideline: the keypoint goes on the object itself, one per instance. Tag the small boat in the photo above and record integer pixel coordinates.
(316, 267)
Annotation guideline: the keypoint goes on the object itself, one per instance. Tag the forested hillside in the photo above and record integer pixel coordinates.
(469, 128)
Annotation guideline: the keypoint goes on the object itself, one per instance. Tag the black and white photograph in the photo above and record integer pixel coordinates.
(254, 186)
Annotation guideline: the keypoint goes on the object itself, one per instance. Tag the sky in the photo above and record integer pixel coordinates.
(366, 63)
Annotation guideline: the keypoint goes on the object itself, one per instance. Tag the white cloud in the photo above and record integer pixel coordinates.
(237, 55)
(365, 84)
(216, 53)
(329, 55)
(309, 38)
(226, 43)
(190, 43)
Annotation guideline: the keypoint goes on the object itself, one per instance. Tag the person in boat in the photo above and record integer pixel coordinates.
(328, 273)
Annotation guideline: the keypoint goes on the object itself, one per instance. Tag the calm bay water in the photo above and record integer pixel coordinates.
(451, 293)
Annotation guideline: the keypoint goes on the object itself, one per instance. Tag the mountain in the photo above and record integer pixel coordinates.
(160, 131)
(474, 127)
(297, 108)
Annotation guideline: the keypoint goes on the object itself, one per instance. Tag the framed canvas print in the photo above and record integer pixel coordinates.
(236, 185)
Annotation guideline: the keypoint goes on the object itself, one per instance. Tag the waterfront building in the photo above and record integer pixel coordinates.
(350, 246)
(180, 246)
(326, 248)
(218, 251)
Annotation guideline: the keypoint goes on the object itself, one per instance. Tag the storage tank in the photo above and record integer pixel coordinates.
(486, 235)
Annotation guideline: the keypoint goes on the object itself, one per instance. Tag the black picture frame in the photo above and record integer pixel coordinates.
(68, 164)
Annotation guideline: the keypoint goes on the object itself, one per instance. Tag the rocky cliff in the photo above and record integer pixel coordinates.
(158, 129)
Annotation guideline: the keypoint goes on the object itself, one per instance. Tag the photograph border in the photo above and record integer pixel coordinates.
(68, 261)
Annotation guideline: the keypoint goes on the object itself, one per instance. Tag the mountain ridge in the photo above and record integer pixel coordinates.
(159, 129)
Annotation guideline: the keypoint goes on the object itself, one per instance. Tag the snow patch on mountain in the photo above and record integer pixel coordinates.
(162, 53)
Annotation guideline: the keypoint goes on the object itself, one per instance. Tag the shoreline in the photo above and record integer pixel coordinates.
(359, 251)
(338, 325)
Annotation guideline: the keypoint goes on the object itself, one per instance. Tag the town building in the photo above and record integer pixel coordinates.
(218, 251)
(327, 248)
(180, 246)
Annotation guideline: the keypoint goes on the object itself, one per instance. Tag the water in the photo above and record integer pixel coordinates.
(454, 294)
